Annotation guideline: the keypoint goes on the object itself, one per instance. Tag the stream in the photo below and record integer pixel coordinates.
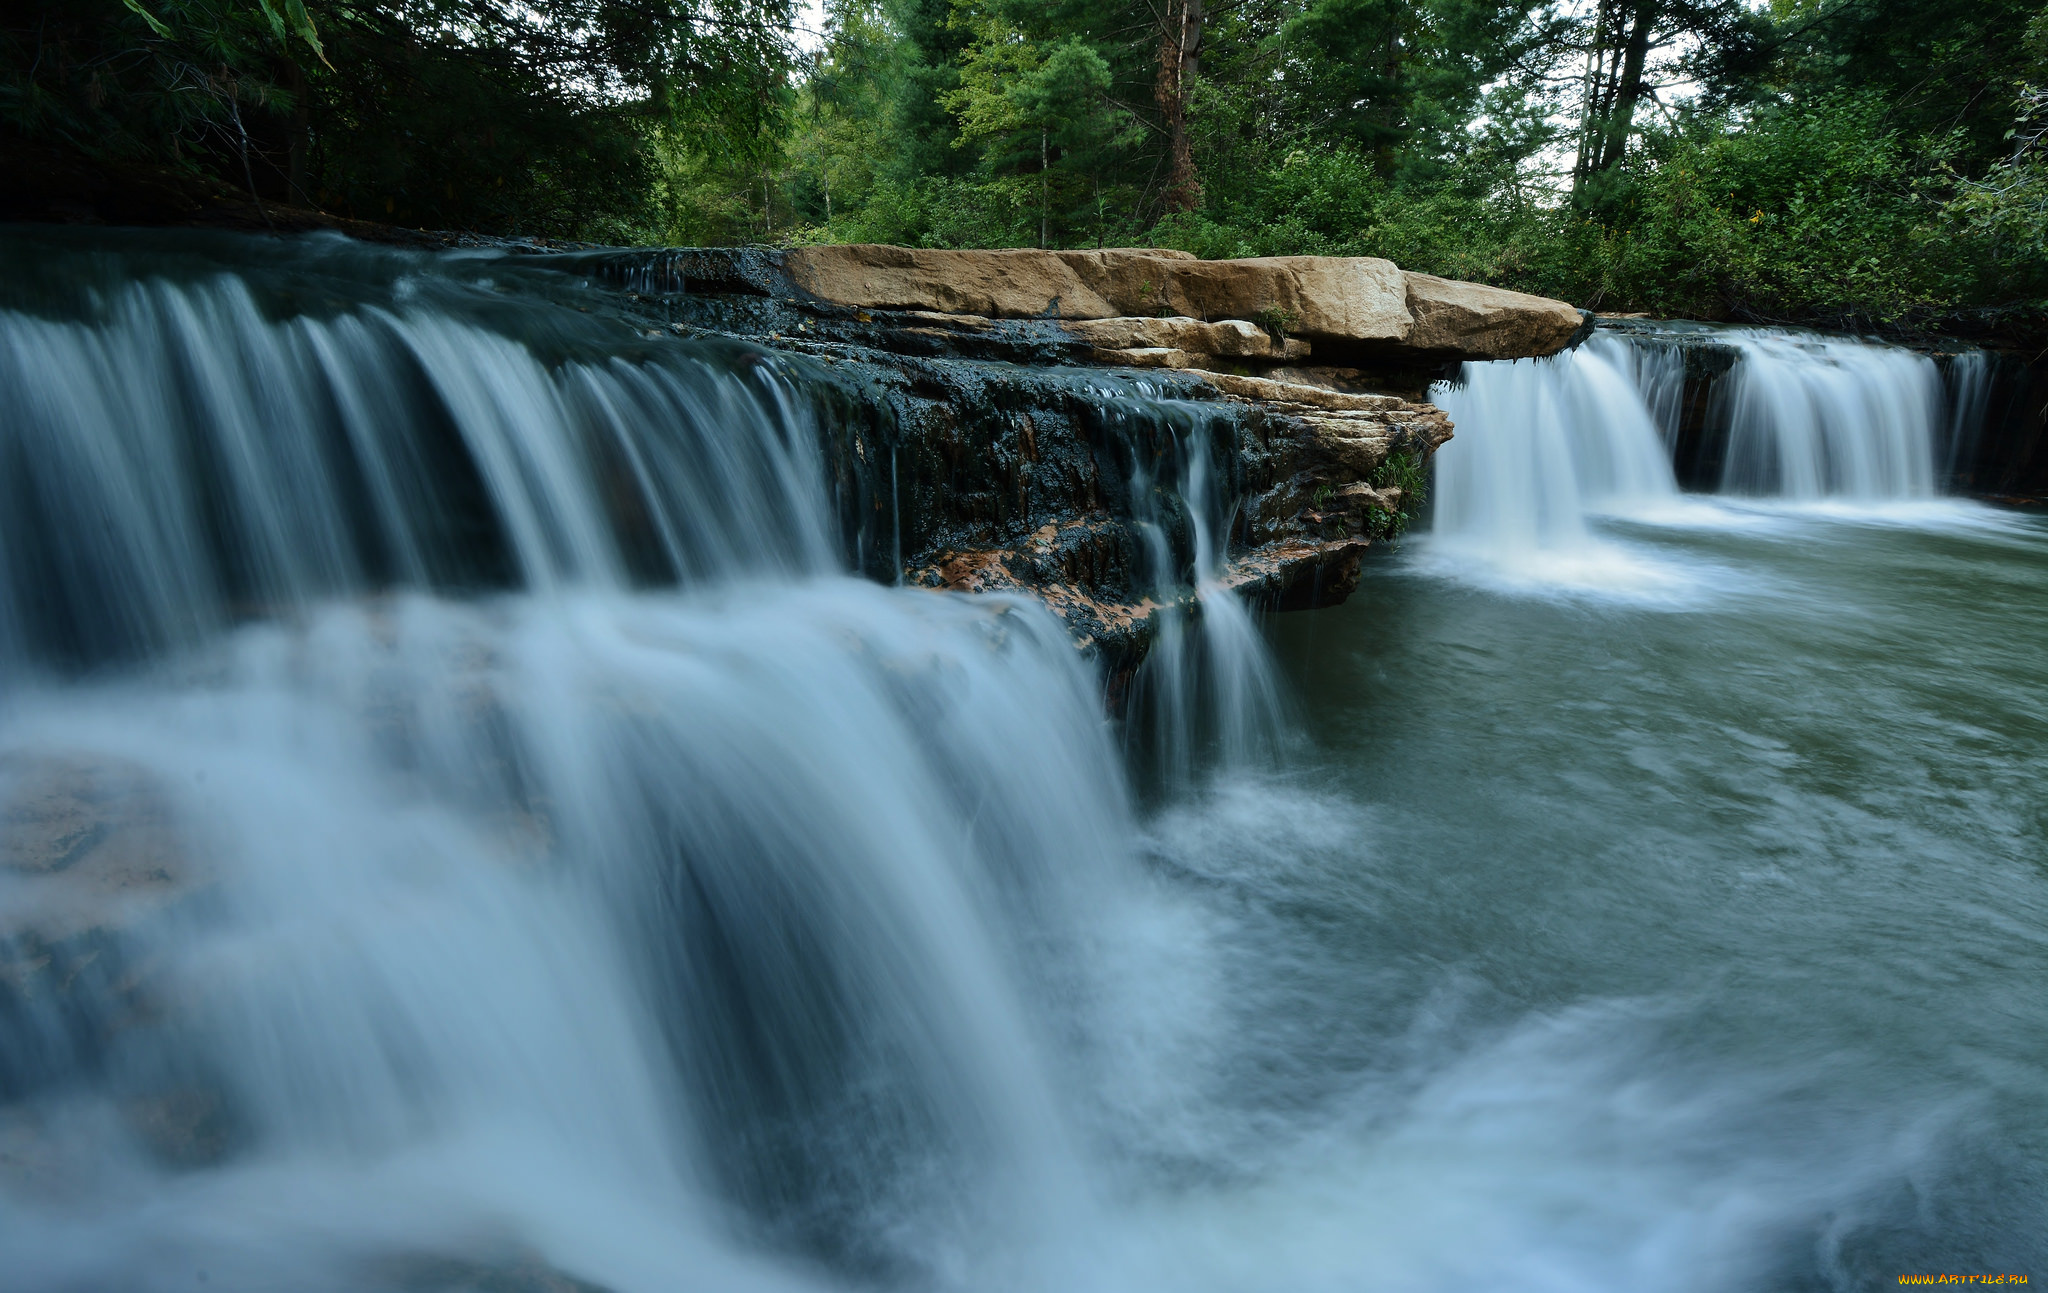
(467, 829)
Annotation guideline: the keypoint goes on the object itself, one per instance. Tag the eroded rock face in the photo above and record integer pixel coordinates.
(973, 477)
(1047, 475)
(1024, 284)
(1230, 339)
(1342, 299)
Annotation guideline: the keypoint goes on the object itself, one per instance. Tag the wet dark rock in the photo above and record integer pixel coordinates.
(973, 476)
(984, 454)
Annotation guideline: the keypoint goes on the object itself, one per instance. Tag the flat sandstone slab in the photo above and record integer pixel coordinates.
(1344, 301)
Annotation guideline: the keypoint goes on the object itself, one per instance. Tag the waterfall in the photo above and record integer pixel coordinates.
(1543, 447)
(1968, 388)
(462, 819)
(179, 461)
(1206, 687)
(1543, 444)
(1813, 417)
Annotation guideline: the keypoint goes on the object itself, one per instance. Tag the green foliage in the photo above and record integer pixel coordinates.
(1819, 210)
(1843, 160)
(1398, 81)
(1276, 322)
(490, 114)
(1406, 471)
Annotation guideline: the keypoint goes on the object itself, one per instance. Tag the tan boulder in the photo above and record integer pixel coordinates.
(1017, 284)
(1480, 322)
(1147, 357)
(1339, 298)
(1266, 390)
(1353, 298)
(1229, 339)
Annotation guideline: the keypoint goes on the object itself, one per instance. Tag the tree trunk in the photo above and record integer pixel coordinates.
(1044, 163)
(1180, 57)
(1629, 88)
(1615, 63)
(1589, 114)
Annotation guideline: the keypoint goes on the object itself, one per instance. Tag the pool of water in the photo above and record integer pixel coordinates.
(1666, 939)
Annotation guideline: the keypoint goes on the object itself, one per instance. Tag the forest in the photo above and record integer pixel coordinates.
(1873, 163)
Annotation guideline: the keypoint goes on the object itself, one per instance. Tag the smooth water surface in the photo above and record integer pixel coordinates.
(1683, 945)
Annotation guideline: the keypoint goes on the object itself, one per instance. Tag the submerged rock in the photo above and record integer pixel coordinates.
(437, 1273)
(91, 860)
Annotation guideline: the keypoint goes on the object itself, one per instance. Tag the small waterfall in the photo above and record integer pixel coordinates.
(1541, 445)
(1968, 387)
(1657, 371)
(177, 462)
(1206, 689)
(1812, 417)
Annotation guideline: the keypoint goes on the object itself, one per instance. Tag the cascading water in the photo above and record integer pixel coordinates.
(1546, 447)
(462, 829)
(180, 461)
(499, 907)
(1813, 417)
(1544, 444)
(1968, 388)
(1206, 686)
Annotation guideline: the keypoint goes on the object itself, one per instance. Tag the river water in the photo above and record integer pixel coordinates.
(466, 830)
(1695, 935)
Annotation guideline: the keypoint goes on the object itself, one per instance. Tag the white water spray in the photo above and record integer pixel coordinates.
(1541, 446)
(495, 913)
(1544, 448)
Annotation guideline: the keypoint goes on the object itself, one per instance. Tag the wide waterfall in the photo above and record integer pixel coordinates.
(531, 847)
(464, 826)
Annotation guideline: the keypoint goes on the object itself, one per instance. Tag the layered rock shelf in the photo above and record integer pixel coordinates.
(1012, 420)
(1349, 307)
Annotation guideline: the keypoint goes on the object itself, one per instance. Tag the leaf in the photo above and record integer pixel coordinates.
(276, 19)
(302, 22)
(154, 24)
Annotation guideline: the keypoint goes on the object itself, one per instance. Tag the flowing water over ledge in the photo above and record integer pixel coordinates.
(609, 892)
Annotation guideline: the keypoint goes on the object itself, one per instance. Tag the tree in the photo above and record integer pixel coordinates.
(1181, 25)
(495, 114)
(1018, 97)
(1400, 81)
(1620, 39)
